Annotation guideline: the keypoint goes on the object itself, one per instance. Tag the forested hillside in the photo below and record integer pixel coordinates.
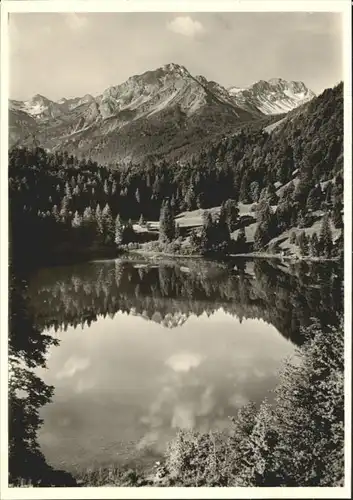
(293, 175)
(259, 189)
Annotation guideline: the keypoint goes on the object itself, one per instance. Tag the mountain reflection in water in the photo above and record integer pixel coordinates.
(162, 347)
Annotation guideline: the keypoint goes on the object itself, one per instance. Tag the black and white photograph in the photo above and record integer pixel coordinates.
(176, 270)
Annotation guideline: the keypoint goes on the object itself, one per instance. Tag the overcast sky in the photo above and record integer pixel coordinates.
(69, 54)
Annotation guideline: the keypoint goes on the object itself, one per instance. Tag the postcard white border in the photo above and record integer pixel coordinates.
(342, 6)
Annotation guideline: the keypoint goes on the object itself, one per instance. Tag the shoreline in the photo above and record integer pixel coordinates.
(250, 255)
(292, 258)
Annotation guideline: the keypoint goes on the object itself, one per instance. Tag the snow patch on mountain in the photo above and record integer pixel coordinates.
(275, 96)
(235, 90)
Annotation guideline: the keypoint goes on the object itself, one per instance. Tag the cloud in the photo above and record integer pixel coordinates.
(72, 366)
(184, 25)
(76, 22)
(183, 362)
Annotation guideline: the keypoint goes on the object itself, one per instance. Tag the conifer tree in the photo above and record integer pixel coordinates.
(206, 235)
(99, 220)
(303, 243)
(301, 219)
(89, 225)
(221, 234)
(55, 213)
(142, 220)
(241, 240)
(288, 192)
(254, 191)
(106, 188)
(286, 165)
(326, 240)
(328, 195)
(260, 238)
(119, 231)
(231, 210)
(244, 191)
(293, 238)
(68, 191)
(272, 197)
(64, 210)
(265, 229)
(77, 220)
(337, 218)
(108, 224)
(259, 461)
(129, 235)
(195, 240)
(314, 246)
(190, 199)
(314, 198)
(88, 216)
(166, 223)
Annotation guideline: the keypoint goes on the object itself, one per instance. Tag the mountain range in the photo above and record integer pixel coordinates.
(160, 112)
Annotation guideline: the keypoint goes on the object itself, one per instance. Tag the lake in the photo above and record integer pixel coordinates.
(136, 350)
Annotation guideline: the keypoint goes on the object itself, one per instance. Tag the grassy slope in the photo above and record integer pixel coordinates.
(193, 219)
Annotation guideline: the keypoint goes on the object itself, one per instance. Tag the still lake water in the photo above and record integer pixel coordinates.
(146, 349)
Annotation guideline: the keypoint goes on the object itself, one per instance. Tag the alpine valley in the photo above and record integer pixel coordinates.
(195, 235)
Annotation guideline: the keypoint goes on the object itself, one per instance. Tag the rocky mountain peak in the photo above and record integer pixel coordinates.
(39, 98)
(168, 100)
(274, 96)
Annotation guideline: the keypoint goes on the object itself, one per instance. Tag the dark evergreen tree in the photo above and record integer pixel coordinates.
(206, 236)
(293, 238)
(337, 217)
(55, 213)
(288, 192)
(244, 192)
(241, 241)
(166, 223)
(302, 219)
(89, 226)
(231, 214)
(272, 197)
(314, 198)
(303, 243)
(99, 222)
(286, 165)
(142, 220)
(77, 220)
(255, 191)
(119, 231)
(328, 196)
(302, 189)
(265, 230)
(108, 224)
(220, 233)
(326, 240)
(314, 246)
(129, 235)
